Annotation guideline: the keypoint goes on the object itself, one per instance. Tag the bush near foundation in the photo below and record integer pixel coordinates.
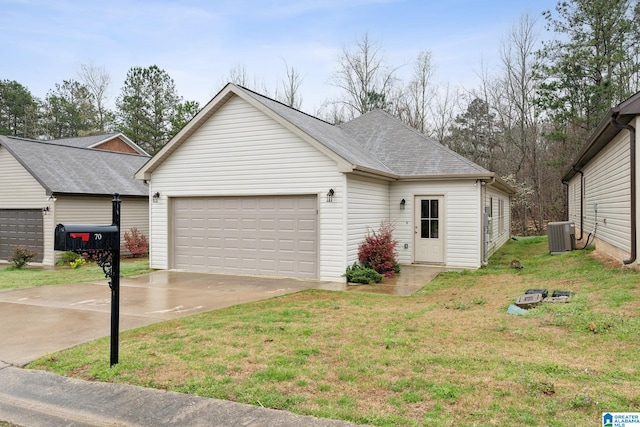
(21, 256)
(378, 251)
(136, 242)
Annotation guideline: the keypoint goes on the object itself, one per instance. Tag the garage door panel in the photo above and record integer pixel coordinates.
(21, 227)
(248, 235)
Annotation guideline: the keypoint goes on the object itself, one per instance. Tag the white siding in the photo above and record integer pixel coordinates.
(607, 184)
(97, 210)
(20, 190)
(500, 225)
(367, 207)
(574, 199)
(241, 151)
(462, 219)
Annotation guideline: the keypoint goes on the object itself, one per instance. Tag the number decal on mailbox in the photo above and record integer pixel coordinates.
(97, 236)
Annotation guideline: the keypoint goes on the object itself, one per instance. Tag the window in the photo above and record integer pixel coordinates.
(491, 218)
(501, 221)
(429, 221)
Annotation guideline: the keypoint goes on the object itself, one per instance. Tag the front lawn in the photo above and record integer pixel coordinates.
(30, 276)
(448, 355)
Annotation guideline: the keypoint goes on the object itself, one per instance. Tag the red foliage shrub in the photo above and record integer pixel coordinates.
(136, 242)
(378, 251)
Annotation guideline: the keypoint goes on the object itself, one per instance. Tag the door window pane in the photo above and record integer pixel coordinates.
(424, 229)
(434, 209)
(424, 209)
(434, 228)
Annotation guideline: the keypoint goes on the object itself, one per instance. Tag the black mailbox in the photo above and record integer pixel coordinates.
(81, 237)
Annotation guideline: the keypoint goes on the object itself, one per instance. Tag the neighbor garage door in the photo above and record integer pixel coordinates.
(21, 227)
(268, 236)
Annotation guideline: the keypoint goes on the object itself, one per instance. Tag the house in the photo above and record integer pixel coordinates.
(252, 186)
(602, 185)
(115, 141)
(44, 183)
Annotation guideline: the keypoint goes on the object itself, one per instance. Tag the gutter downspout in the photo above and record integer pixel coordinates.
(581, 200)
(632, 166)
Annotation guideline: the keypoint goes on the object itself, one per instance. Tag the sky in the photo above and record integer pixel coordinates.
(198, 42)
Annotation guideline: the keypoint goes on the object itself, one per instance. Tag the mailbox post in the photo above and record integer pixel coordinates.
(114, 283)
(103, 240)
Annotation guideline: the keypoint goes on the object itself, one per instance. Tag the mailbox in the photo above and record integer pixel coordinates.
(82, 237)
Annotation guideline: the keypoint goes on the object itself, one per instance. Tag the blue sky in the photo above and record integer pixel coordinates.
(44, 42)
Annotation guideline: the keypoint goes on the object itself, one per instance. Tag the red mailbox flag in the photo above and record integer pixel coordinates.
(83, 236)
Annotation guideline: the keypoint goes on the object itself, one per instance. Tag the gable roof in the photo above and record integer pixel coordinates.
(374, 143)
(63, 169)
(92, 141)
(604, 133)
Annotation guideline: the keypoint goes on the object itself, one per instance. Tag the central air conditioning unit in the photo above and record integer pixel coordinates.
(562, 237)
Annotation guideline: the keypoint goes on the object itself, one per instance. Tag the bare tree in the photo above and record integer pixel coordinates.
(364, 77)
(97, 80)
(418, 93)
(519, 123)
(441, 112)
(238, 75)
(291, 88)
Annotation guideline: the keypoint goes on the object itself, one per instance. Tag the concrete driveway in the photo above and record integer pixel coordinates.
(38, 321)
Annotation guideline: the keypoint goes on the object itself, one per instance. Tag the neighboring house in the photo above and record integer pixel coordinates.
(116, 141)
(251, 186)
(602, 184)
(44, 183)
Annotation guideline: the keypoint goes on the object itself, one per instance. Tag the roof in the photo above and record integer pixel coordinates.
(374, 143)
(406, 151)
(92, 141)
(604, 133)
(75, 170)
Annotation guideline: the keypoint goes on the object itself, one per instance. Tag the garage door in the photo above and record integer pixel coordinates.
(21, 227)
(267, 236)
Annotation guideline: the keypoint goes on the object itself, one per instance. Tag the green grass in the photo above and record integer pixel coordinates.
(448, 355)
(30, 276)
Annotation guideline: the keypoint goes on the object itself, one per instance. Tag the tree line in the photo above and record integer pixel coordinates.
(526, 122)
(148, 110)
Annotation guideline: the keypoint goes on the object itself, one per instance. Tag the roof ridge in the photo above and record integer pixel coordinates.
(54, 143)
(283, 104)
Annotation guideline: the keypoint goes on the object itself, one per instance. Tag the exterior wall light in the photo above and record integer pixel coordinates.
(330, 195)
(402, 203)
(45, 210)
(156, 197)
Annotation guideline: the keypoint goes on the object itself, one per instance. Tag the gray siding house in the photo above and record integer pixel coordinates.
(602, 185)
(252, 186)
(44, 183)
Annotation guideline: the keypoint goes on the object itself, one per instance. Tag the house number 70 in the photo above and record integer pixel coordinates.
(97, 236)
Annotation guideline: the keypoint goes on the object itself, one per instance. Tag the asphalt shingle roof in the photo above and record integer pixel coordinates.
(404, 150)
(76, 170)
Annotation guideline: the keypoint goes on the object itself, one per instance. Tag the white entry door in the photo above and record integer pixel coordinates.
(429, 229)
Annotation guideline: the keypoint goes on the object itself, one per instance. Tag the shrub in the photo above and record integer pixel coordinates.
(68, 257)
(358, 274)
(21, 256)
(77, 263)
(378, 251)
(136, 242)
